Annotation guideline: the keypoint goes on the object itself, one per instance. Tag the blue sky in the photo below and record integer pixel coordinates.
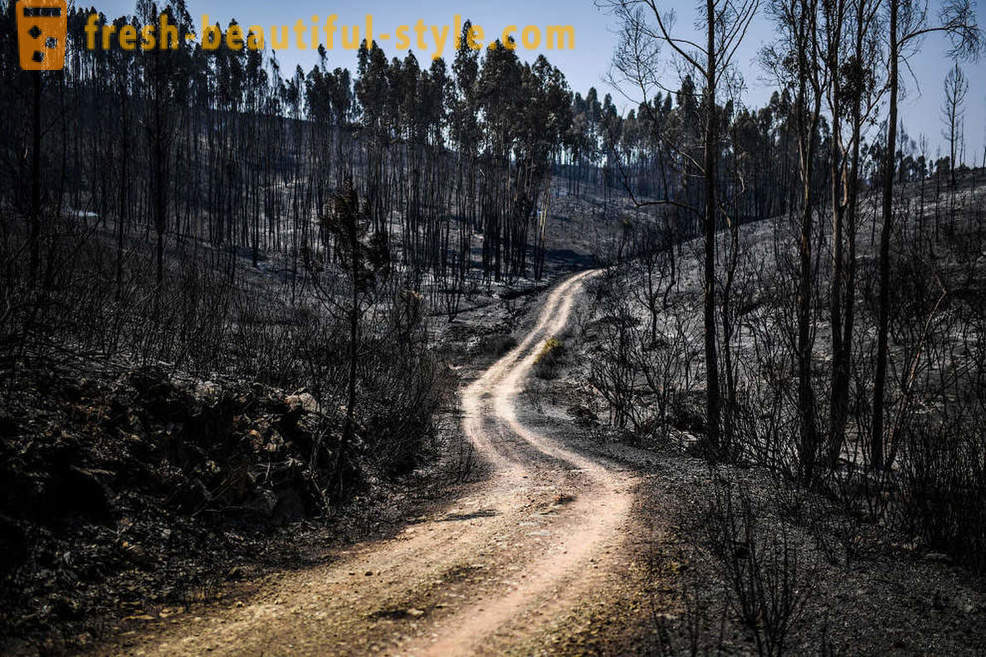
(595, 39)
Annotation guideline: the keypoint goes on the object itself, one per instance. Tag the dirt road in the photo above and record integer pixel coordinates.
(491, 574)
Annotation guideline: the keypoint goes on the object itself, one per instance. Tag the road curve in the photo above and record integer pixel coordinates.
(486, 576)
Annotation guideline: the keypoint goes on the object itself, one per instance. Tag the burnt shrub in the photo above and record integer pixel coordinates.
(944, 484)
(403, 386)
(767, 572)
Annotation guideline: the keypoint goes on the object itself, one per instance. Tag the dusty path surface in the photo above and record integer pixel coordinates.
(490, 574)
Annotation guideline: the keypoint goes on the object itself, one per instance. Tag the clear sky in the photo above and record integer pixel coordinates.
(596, 37)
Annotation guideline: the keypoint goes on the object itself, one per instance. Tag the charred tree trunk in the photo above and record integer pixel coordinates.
(883, 320)
(712, 400)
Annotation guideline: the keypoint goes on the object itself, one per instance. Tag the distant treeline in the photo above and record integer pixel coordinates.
(224, 146)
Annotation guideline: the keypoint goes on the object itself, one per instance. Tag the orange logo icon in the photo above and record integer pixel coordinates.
(41, 29)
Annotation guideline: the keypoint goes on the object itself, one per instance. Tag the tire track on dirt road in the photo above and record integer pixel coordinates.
(485, 576)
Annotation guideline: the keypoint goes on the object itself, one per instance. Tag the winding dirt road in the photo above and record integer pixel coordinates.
(495, 573)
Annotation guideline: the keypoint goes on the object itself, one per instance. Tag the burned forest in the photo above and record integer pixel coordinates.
(657, 331)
